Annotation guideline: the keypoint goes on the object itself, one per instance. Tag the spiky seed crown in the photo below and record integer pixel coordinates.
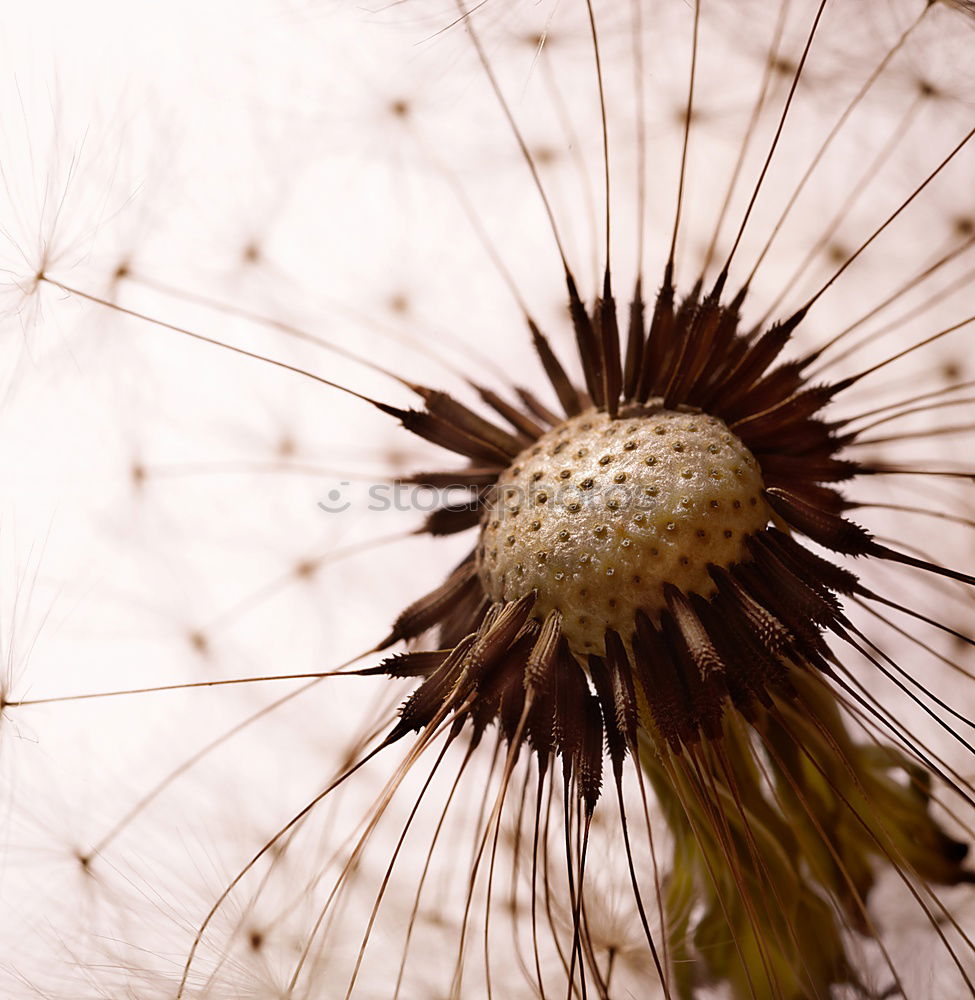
(583, 633)
(727, 627)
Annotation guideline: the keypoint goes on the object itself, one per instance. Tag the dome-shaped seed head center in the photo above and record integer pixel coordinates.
(599, 515)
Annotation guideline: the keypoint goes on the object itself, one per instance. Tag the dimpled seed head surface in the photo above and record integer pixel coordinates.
(598, 515)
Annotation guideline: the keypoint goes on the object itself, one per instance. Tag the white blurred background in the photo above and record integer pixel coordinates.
(318, 166)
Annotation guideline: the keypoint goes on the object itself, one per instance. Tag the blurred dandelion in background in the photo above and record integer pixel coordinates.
(488, 500)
